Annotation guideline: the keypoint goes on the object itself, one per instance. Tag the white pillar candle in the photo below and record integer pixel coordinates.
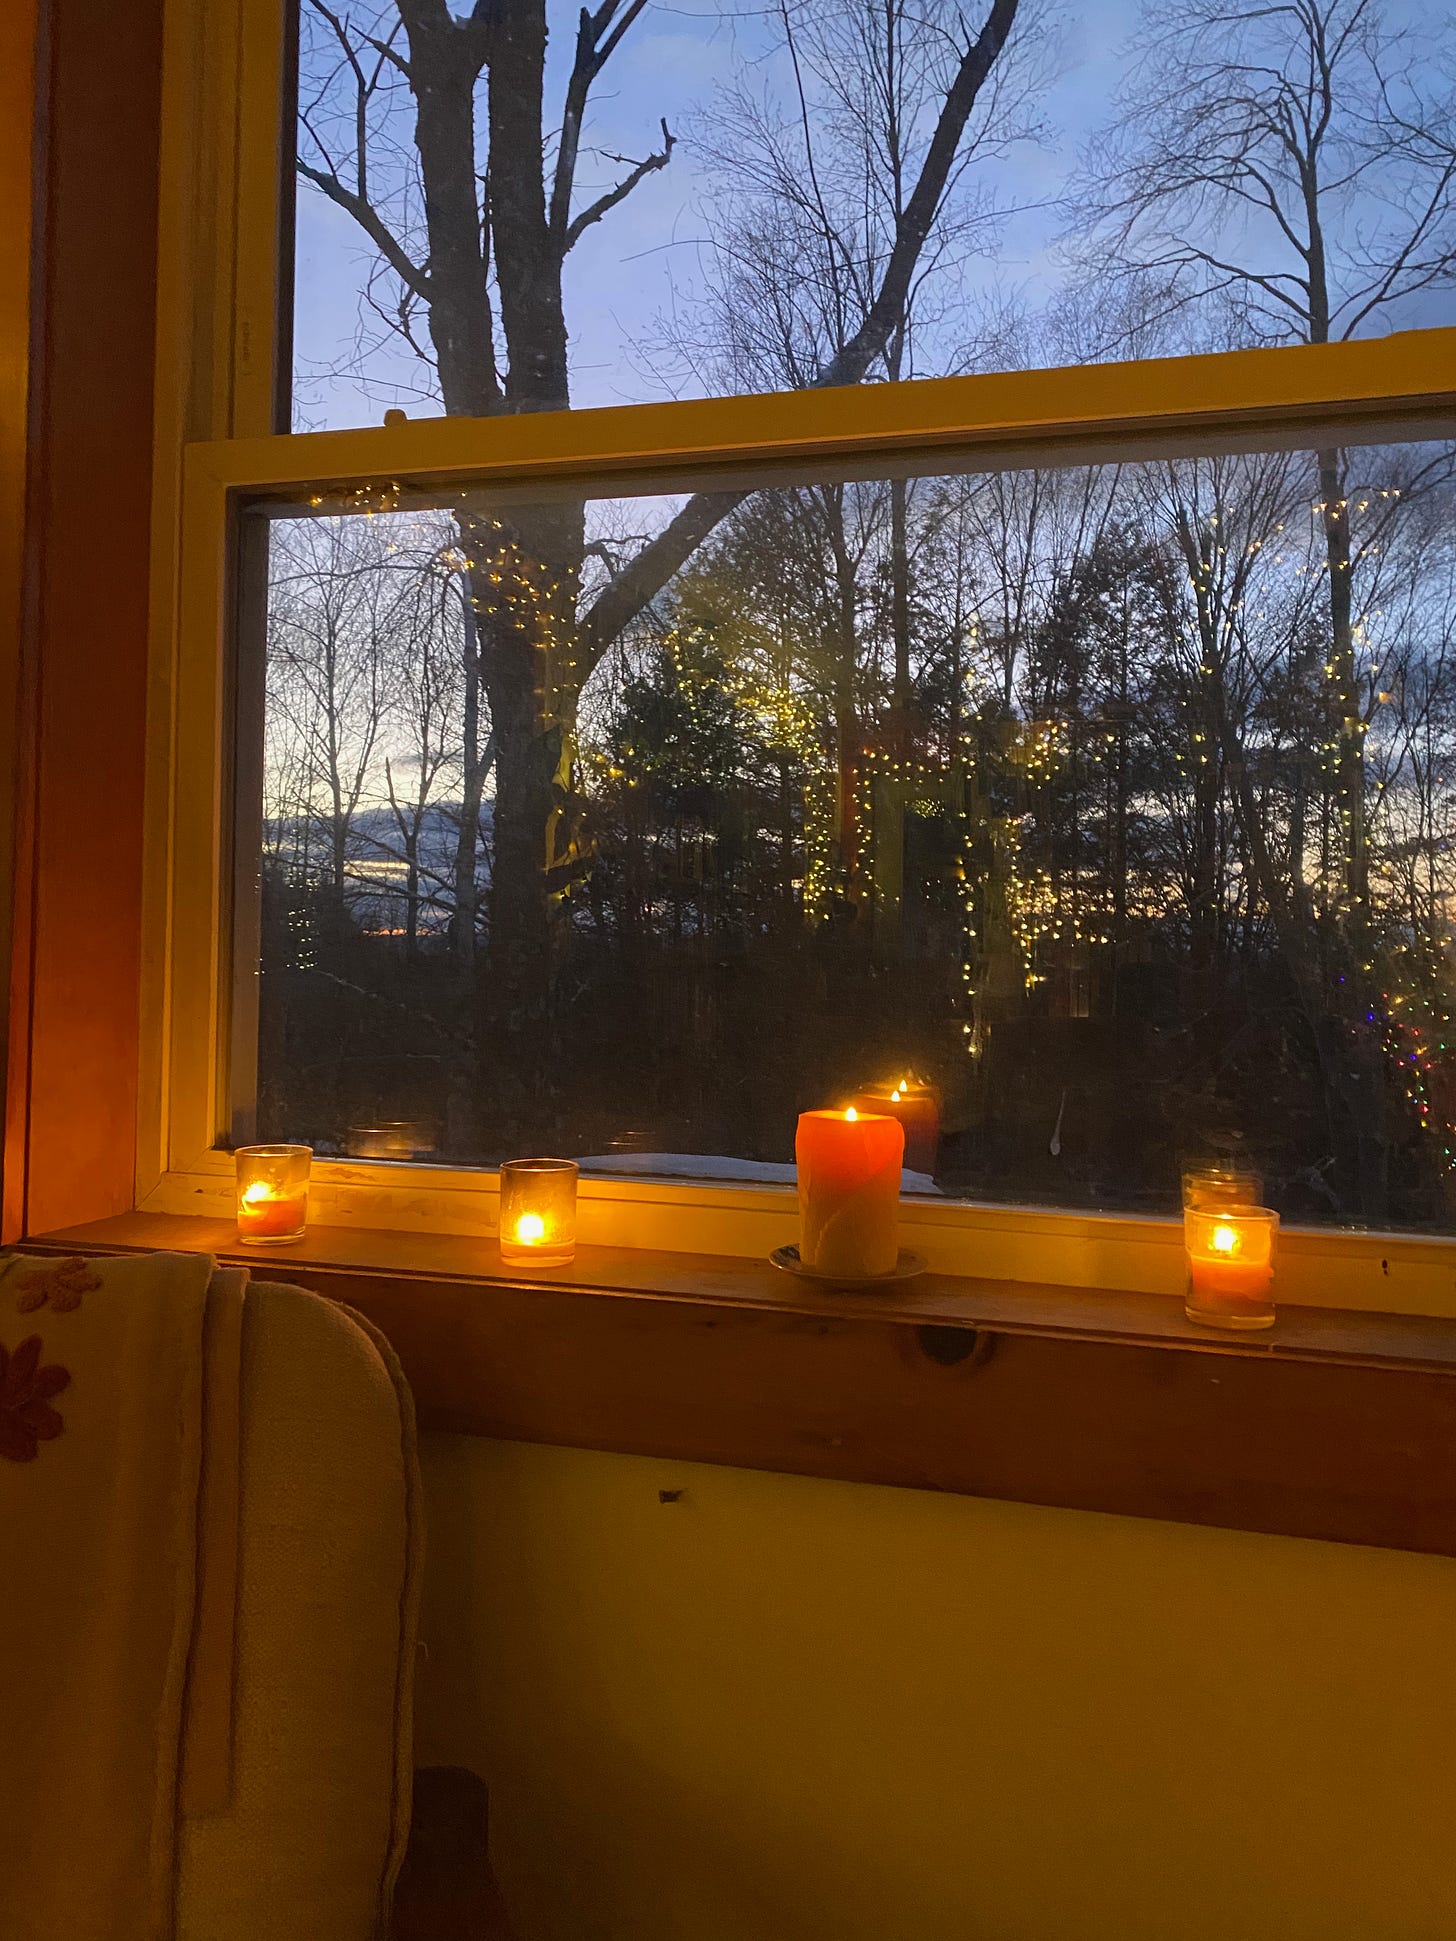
(849, 1192)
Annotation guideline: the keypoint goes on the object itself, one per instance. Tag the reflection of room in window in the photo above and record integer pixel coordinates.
(1115, 801)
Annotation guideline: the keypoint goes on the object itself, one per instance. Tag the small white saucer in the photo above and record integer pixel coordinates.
(906, 1268)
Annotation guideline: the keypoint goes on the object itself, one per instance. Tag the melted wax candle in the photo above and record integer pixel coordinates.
(538, 1212)
(272, 1190)
(1230, 1265)
(266, 1215)
(849, 1192)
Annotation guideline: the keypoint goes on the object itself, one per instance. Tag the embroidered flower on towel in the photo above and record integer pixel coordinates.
(61, 1285)
(26, 1416)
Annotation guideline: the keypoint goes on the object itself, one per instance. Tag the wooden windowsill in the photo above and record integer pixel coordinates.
(945, 1300)
(1335, 1424)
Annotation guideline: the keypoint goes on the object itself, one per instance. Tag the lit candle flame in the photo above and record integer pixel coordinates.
(852, 1115)
(259, 1190)
(530, 1229)
(1224, 1240)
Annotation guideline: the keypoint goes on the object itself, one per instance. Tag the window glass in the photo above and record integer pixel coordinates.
(1113, 805)
(533, 206)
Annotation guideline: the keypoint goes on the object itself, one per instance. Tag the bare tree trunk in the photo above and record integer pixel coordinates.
(523, 579)
(846, 723)
(900, 613)
(474, 770)
(1206, 754)
(1350, 1059)
(412, 891)
(509, 244)
(338, 850)
(1345, 683)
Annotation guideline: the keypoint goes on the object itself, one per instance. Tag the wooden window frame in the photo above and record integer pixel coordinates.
(1009, 1381)
(1389, 388)
(19, 50)
(151, 970)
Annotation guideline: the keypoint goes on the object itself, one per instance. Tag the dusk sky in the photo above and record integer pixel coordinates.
(624, 272)
(628, 271)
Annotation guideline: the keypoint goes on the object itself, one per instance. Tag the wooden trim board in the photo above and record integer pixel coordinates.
(72, 1061)
(1338, 1426)
(20, 59)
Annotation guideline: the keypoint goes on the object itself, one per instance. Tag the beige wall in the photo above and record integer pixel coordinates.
(782, 1710)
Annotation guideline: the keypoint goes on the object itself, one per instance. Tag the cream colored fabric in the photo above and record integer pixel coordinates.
(101, 1431)
(207, 1713)
(327, 1615)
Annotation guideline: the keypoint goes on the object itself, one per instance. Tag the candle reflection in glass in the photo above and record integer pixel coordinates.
(1230, 1265)
(392, 1139)
(1221, 1185)
(917, 1107)
(538, 1212)
(272, 1186)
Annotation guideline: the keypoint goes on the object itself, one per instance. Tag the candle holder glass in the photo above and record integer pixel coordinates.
(1230, 1265)
(1216, 1185)
(392, 1139)
(272, 1193)
(538, 1212)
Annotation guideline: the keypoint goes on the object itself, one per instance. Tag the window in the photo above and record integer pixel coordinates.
(1071, 791)
(745, 200)
(1073, 739)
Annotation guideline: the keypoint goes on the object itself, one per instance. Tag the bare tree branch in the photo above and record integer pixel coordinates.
(592, 55)
(374, 227)
(605, 203)
(639, 582)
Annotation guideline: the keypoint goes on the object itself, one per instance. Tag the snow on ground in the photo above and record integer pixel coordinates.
(713, 1166)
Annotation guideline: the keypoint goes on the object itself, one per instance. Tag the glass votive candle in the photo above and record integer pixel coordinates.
(272, 1193)
(538, 1212)
(1230, 1265)
(1214, 1185)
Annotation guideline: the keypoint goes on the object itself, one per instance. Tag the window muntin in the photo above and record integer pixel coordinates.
(664, 999)
(1123, 182)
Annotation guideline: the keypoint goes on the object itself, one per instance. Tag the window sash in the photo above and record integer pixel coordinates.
(1400, 388)
(1298, 395)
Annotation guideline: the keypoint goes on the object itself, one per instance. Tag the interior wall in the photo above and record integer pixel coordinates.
(785, 1710)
